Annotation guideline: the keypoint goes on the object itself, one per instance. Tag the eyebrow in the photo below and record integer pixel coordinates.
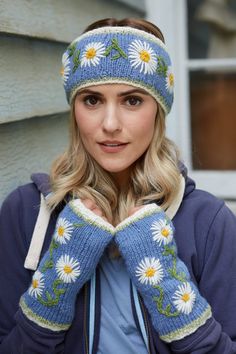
(87, 91)
(129, 92)
(125, 93)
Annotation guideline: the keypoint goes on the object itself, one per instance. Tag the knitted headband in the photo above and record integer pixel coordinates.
(119, 55)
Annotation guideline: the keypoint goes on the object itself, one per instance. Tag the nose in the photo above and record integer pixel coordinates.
(111, 120)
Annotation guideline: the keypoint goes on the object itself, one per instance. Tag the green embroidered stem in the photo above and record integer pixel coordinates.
(173, 271)
(52, 301)
(49, 263)
(159, 302)
(76, 60)
(71, 49)
(161, 66)
(115, 46)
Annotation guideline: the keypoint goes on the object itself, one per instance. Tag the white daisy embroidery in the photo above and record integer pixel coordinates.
(63, 231)
(149, 271)
(68, 269)
(93, 53)
(162, 232)
(184, 298)
(170, 80)
(65, 70)
(142, 55)
(37, 284)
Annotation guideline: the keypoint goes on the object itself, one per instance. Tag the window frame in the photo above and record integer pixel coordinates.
(171, 17)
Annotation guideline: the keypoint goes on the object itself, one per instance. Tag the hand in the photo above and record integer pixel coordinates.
(146, 242)
(77, 245)
(134, 209)
(90, 204)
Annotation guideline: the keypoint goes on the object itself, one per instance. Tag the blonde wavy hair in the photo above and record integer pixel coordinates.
(154, 176)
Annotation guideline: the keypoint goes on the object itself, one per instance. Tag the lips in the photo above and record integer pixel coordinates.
(112, 146)
(112, 143)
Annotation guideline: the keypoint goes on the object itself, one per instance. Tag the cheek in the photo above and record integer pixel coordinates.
(146, 128)
(84, 124)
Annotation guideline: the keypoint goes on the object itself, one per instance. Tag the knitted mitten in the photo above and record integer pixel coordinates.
(147, 244)
(78, 242)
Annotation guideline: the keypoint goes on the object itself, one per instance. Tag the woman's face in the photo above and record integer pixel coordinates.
(116, 124)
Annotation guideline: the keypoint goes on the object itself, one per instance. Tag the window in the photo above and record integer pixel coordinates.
(201, 36)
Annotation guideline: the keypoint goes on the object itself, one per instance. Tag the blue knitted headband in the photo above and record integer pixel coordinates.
(119, 55)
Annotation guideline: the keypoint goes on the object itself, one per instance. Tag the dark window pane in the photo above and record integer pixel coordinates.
(213, 120)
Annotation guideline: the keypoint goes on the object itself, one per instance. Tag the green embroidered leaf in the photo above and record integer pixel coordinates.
(115, 46)
(47, 265)
(76, 60)
(52, 301)
(108, 50)
(48, 296)
(159, 302)
(179, 276)
(71, 49)
(53, 246)
(49, 262)
(162, 68)
(171, 251)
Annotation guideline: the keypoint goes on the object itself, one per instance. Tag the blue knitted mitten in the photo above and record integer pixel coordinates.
(77, 245)
(147, 244)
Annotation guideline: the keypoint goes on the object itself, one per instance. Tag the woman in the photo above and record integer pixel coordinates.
(110, 278)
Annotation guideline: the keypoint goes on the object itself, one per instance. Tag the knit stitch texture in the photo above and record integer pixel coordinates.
(119, 55)
(78, 242)
(146, 241)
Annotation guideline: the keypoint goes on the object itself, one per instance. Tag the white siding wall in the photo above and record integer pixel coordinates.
(33, 108)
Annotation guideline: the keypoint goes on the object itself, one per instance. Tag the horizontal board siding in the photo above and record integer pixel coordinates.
(137, 4)
(33, 36)
(57, 20)
(30, 82)
(29, 146)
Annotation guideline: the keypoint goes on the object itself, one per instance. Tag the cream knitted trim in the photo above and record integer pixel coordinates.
(123, 30)
(40, 321)
(86, 214)
(113, 80)
(138, 215)
(188, 329)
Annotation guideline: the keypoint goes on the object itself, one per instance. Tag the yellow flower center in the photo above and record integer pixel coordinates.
(91, 53)
(67, 269)
(150, 272)
(35, 283)
(144, 56)
(61, 231)
(185, 297)
(171, 79)
(165, 232)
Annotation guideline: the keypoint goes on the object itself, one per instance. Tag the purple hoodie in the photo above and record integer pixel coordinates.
(206, 240)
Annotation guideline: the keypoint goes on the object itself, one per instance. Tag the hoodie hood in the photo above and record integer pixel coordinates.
(190, 185)
(42, 182)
